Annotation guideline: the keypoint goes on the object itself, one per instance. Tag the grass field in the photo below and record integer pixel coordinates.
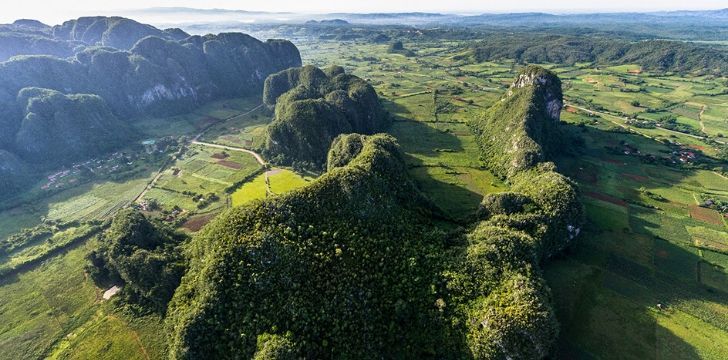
(271, 183)
(647, 242)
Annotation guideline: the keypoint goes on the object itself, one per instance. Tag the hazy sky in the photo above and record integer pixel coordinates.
(54, 11)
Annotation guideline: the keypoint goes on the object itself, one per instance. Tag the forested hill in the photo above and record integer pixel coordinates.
(158, 76)
(31, 37)
(656, 55)
(312, 107)
(352, 266)
(343, 268)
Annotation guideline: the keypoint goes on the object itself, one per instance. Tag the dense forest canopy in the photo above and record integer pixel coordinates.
(353, 266)
(142, 257)
(657, 55)
(312, 107)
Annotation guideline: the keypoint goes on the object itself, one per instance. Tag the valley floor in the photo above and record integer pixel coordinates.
(647, 280)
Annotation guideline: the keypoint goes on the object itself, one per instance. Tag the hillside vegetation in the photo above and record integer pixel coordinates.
(44, 120)
(343, 268)
(352, 266)
(657, 55)
(142, 257)
(312, 107)
(503, 300)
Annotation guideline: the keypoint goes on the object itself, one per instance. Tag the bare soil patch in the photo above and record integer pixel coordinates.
(706, 215)
(230, 164)
(196, 223)
(606, 198)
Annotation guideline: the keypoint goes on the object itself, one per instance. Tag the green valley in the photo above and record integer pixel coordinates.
(430, 186)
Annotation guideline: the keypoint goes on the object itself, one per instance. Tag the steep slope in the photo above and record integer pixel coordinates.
(342, 268)
(157, 76)
(504, 301)
(13, 172)
(352, 267)
(65, 127)
(116, 32)
(312, 107)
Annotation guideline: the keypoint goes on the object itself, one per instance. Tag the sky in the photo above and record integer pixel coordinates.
(55, 11)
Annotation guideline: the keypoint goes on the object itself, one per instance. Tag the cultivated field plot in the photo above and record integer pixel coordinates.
(54, 311)
(196, 121)
(202, 170)
(647, 242)
(271, 183)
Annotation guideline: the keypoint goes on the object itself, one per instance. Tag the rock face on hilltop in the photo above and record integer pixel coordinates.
(521, 130)
(338, 269)
(116, 32)
(506, 303)
(312, 107)
(66, 127)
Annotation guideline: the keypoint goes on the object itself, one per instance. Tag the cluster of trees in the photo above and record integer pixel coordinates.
(343, 268)
(61, 109)
(312, 107)
(142, 257)
(658, 55)
(352, 265)
(397, 47)
(503, 299)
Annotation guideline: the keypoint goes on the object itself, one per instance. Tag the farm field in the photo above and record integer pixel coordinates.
(651, 263)
(54, 311)
(270, 183)
(647, 243)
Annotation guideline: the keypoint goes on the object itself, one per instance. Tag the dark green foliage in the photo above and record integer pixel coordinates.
(521, 131)
(398, 48)
(13, 173)
(142, 257)
(495, 280)
(163, 73)
(659, 55)
(275, 347)
(312, 107)
(345, 267)
(64, 127)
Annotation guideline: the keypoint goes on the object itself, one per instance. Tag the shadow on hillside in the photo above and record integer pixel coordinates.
(623, 274)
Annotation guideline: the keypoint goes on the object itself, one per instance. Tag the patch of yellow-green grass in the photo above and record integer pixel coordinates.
(112, 336)
(283, 181)
(250, 191)
(682, 336)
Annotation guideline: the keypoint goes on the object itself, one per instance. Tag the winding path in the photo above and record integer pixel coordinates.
(154, 180)
(607, 116)
(232, 148)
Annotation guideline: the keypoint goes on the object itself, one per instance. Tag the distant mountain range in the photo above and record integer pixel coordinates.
(418, 18)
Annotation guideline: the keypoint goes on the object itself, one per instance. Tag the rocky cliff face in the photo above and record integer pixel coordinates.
(65, 127)
(522, 129)
(132, 68)
(549, 87)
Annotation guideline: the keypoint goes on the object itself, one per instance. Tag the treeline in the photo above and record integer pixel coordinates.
(143, 257)
(656, 55)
